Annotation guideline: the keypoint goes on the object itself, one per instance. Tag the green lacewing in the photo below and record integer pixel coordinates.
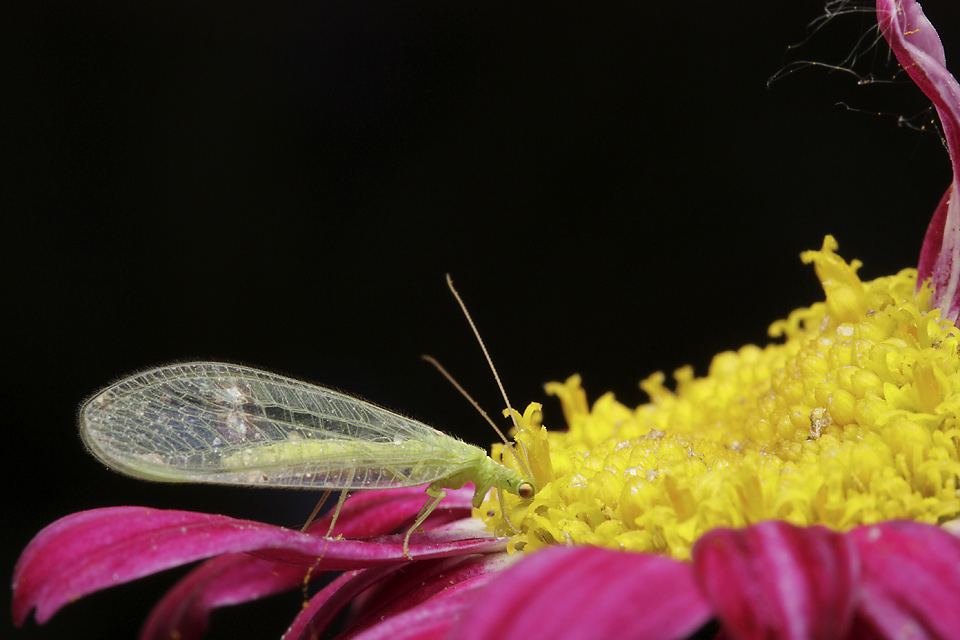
(213, 422)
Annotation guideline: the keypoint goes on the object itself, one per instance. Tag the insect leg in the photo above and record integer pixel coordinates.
(336, 512)
(323, 498)
(503, 511)
(343, 498)
(436, 495)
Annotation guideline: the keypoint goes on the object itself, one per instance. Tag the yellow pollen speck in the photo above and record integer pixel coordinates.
(852, 419)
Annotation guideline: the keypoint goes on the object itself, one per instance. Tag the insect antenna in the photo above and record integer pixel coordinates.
(496, 376)
(476, 405)
(463, 392)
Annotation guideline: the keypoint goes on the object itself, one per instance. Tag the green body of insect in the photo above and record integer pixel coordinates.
(227, 424)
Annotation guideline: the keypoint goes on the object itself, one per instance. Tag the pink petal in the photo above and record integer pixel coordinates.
(374, 513)
(327, 604)
(911, 581)
(775, 580)
(351, 553)
(86, 552)
(184, 612)
(933, 240)
(586, 592)
(429, 621)
(917, 46)
(394, 591)
(422, 582)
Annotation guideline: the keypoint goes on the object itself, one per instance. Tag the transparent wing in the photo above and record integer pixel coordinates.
(224, 423)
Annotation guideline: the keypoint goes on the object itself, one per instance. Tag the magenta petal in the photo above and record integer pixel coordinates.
(374, 513)
(431, 620)
(89, 551)
(911, 581)
(323, 607)
(917, 46)
(775, 580)
(422, 582)
(933, 240)
(586, 592)
(353, 553)
(394, 591)
(184, 612)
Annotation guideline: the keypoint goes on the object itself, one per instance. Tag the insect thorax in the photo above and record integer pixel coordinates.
(489, 474)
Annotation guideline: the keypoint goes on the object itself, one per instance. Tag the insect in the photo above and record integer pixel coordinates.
(213, 422)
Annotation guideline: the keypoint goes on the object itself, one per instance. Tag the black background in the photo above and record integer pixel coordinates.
(614, 189)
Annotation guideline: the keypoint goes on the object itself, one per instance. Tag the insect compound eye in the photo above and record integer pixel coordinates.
(526, 490)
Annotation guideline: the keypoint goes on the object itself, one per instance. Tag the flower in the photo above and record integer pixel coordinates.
(807, 488)
(851, 420)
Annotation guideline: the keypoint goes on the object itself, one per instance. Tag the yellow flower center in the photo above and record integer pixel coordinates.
(852, 419)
